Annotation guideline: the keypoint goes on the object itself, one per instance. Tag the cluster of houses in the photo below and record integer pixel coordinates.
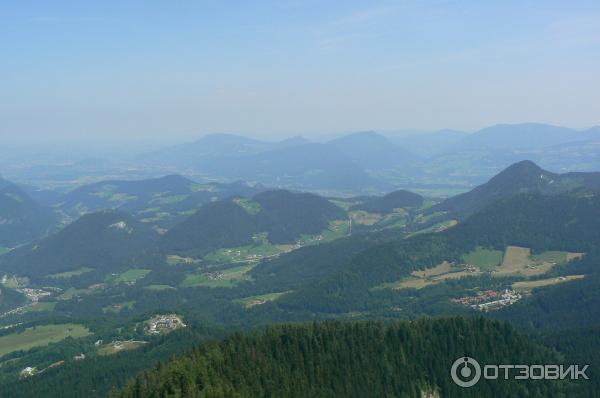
(489, 300)
(34, 294)
(164, 324)
(214, 276)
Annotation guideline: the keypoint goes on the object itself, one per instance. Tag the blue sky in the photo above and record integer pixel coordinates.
(174, 70)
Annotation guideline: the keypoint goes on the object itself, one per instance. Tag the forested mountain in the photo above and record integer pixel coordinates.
(336, 359)
(521, 177)
(537, 222)
(284, 216)
(542, 222)
(389, 202)
(21, 219)
(100, 374)
(162, 200)
(124, 194)
(106, 241)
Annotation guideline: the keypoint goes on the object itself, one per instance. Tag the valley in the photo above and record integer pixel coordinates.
(283, 256)
(299, 199)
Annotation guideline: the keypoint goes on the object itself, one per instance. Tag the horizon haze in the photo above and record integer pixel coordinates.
(114, 72)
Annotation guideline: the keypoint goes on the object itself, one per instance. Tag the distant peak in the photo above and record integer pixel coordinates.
(525, 164)
(174, 177)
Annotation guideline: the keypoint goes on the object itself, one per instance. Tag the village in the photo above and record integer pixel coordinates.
(34, 295)
(162, 324)
(489, 300)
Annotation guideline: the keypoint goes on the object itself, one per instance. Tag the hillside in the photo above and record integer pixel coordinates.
(21, 219)
(521, 177)
(538, 223)
(389, 202)
(282, 215)
(105, 241)
(349, 359)
(158, 200)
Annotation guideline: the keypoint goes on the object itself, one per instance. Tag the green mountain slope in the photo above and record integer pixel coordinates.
(284, 216)
(351, 360)
(522, 177)
(21, 219)
(540, 223)
(163, 200)
(107, 241)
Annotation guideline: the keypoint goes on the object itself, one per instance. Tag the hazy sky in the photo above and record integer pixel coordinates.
(74, 70)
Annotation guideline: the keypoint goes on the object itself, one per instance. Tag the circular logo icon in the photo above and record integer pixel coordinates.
(465, 372)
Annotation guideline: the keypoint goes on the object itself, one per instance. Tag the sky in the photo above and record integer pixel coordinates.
(120, 70)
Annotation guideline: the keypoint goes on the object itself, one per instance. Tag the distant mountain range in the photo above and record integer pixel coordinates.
(292, 163)
(372, 162)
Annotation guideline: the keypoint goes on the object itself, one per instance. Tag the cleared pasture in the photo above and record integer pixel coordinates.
(40, 336)
(249, 302)
(525, 286)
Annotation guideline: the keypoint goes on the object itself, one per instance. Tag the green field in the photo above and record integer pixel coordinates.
(13, 282)
(173, 259)
(40, 306)
(224, 278)
(40, 336)
(398, 219)
(161, 215)
(118, 346)
(337, 229)
(116, 308)
(252, 301)
(73, 292)
(406, 283)
(345, 204)
(70, 274)
(248, 205)
(204, 188)
(485, 259)
(158, 287)
(108, 192)
(439, 227)
(166, 200)
(254, 252)
(551, 257)
(129, 276)
(527, 286)
(362, 217)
